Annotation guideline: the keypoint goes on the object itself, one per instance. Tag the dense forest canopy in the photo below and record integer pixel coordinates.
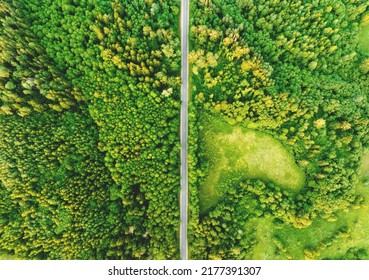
(89, 129)
(278, 129)
(297, 71)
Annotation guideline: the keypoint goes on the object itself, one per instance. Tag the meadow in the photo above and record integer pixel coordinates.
(252, 154)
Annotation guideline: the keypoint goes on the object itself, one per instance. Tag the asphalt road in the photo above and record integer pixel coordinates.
(185, 7)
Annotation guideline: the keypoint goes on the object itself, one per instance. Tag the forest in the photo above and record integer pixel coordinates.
(279, 129)
(278, 146)
(89, 150)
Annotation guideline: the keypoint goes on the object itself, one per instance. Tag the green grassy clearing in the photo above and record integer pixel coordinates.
(246, 153)
(364, 171)
(326, 240)
(264, 249)
(364, 39)
(5, 256)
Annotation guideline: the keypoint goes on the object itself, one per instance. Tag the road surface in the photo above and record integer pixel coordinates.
(184, 130)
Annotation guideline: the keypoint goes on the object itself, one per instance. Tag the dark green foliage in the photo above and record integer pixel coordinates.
(59, 189)
(29, 82)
